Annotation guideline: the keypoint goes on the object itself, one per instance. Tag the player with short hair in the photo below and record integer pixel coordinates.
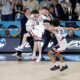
(35, 29)
(60, 47)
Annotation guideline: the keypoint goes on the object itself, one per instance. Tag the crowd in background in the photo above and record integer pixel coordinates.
(62, 9)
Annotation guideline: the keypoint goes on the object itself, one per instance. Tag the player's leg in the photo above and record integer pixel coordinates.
(25, 36)
(40, 51)
(50, 54)
(64, 66)
(47, 38)
(31, 42)
(59, 56)
(19, 53)
(34, 50)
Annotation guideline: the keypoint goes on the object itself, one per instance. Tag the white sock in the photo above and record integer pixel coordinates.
(39, 54)
(55, 64)
(63, 64)
(34, 54)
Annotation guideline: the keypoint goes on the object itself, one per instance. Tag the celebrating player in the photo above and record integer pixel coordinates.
(35, 29)
(60, 47)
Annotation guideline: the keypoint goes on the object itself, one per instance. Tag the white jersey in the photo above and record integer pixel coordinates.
(30, 24)
(39, 23)
(36, 27)
(61, 38)
(36, 23)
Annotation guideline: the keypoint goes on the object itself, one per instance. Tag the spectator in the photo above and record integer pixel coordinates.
(73, 2)
(0, 11)
(70, 14)
(52, 14)
(67, 1)
(64, 6)
(45, 3)
(60, 1)
(7, 10)
(18, 10)
(58, 9)
(31, 4)
(3, 2)
(77, 10)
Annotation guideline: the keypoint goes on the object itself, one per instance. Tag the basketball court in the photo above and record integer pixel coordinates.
(30, 70)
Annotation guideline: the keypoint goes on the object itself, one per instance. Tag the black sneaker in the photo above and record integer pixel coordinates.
(55, 68)
(63, 68)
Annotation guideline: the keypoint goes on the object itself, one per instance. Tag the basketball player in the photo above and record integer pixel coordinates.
(60, 47)
(36, 30)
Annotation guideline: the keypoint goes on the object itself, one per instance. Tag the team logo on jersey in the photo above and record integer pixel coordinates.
(2, 43)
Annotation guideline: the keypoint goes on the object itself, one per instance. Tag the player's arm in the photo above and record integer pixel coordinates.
(52, 29)
(29, 25)
(71, 28)
(77, 29)
(48, 17)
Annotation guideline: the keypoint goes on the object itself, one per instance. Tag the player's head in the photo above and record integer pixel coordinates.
(45, 8)
(44, 11)
(35, 14)
(56, 23)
